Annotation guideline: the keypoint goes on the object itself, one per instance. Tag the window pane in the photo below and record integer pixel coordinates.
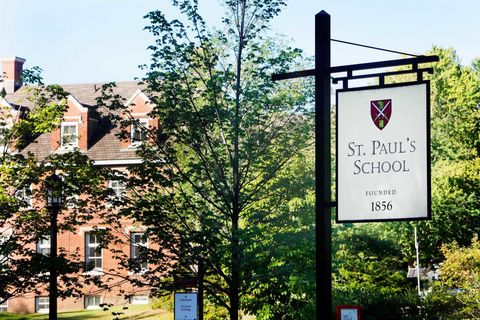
(69, 135)
(92, 301)
(139, 300)
(138, 131)
(94, 241)
(138, 247)
(118, 187)
(93, 251)
(42, 304)
(24, 195)
(43, 245)
(4, 306)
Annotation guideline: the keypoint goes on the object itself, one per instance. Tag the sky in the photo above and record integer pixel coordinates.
(103, 40)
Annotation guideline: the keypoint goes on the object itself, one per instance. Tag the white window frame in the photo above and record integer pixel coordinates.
(5, 234)
(72, 201)
(143, 124)
(70, 144)
(43, 244)
(139, 299)
(4, 306)
(2, 128)
(118, 190)
(42, 304)
(22, 194)
(134, 244)
(95, 245)
(94, 305)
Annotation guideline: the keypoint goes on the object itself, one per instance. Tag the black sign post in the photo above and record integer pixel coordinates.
(323, 255)
(324, 203)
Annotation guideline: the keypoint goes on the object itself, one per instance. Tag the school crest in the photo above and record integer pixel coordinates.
(381, 111)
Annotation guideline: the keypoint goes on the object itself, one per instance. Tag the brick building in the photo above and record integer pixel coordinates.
(85, 127)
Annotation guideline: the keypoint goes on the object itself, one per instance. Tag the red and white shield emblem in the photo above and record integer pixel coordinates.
(381, 110)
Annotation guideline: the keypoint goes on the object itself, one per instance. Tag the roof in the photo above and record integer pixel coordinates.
(85, 93)
(103, 144)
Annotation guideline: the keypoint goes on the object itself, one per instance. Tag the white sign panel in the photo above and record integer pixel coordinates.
(185, 306)
(349, 314)
(383, 167)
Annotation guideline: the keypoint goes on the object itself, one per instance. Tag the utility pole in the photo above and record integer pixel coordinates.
(418, 263)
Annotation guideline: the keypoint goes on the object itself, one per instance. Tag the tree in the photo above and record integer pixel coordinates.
(284, 264)
(455, 143)
(460, 272)
(226, 132)
(371, 260)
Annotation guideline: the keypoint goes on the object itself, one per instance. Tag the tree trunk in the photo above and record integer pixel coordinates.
(234, 293)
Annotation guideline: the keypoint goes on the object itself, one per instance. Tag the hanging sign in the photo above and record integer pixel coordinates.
(383, 153)
(185, 306)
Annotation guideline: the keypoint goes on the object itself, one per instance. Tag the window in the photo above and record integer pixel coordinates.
(118, 188)
(69, 135)
(71, 201)
(139, 300)
(138, 132)
(4, 306)
(42, 304)
(3, 129)
(138, 250)
(93, 252)
(25, 195)
(43, 245)
(4, 236)
(93, 302)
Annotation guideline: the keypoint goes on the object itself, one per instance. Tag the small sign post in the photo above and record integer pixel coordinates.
(185, 306)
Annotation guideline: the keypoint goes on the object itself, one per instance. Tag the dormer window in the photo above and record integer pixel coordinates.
(69, 135)
(138, 131)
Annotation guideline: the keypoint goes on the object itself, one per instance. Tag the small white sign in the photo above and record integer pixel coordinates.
(349, 314)
(185, 306)
(383, 153)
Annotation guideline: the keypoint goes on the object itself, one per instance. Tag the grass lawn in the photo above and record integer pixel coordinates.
(143, 312)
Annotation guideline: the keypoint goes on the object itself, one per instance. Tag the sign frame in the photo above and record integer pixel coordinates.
(428, 215)
(195, 305)
(348, 307)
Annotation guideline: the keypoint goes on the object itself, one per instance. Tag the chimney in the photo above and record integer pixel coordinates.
(12, 73)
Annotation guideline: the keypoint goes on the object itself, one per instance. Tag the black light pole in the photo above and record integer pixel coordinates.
(54, 202)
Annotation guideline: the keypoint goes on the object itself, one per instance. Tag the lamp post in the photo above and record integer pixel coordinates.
(54, 188)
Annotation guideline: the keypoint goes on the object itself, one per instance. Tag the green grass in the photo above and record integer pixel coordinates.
(134, 312)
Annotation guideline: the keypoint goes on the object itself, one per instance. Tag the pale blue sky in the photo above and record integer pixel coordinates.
(102, 40)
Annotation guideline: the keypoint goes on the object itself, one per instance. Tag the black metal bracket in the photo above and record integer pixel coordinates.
(350, 69)
(381, 76)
